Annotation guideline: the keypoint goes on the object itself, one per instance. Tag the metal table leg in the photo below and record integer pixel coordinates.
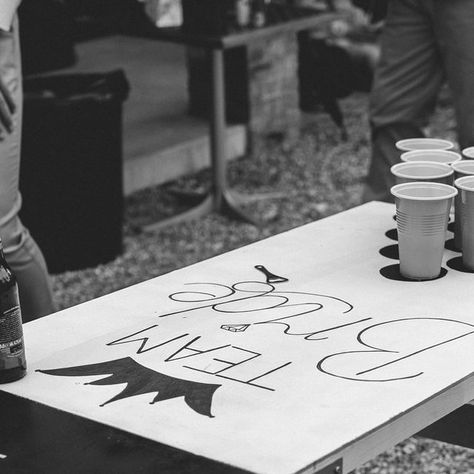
(224, 201)
(220, 199)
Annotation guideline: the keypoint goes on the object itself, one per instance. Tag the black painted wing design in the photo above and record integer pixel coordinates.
(140, 380)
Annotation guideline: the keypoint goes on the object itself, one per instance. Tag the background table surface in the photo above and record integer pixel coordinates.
(278, 22)
(343, 360)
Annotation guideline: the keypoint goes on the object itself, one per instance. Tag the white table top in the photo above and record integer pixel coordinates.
(338, 361)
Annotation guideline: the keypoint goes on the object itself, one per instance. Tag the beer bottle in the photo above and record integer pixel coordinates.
(12, 349)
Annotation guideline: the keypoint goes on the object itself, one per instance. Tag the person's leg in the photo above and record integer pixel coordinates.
(406, 84)
(453, 21)
(22, 253)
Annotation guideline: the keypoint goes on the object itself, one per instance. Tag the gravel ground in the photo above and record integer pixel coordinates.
(306, 179)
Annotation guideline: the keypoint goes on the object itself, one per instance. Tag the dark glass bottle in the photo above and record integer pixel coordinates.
(12, 348)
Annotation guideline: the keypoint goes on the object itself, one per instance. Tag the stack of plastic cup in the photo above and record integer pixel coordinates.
(422, 221)
(422, 171)
(466, 190)
(438, 156)
(461, 168)
(410, 144)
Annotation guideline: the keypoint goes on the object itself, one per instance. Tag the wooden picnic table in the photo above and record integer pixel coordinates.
(303, 352)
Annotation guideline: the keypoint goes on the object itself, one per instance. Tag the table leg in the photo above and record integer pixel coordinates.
(220, 198)
(223, 200)
(454, 428)
(218, 128)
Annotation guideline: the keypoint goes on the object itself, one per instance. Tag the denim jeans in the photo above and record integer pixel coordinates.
(21, 251)
(424, 43)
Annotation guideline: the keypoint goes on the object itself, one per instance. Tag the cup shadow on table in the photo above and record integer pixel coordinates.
(456, 264)
(392, 234)
(449, 245)
(390, 251)
(392, 272)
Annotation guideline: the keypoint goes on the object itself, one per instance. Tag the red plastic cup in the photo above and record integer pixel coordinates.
(410, 144)
(461, 168)
(466, 190)
(422, 221)
(468, 153)
(437, 156)
(422, 171)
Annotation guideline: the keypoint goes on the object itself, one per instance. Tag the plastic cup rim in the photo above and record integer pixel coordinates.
(406, 156)
(466, 152)
(457, 165)
(395, 190)
(459, 183)
(401, 144)
(448, 170)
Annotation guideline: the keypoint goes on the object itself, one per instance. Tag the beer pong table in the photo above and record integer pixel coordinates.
(304, 352)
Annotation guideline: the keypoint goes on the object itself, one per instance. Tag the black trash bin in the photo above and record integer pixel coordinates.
(71, 168)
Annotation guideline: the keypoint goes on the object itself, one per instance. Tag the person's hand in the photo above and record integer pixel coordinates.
(314, 4)
(7, 109)
(357, 17)
(164, 12)
(151, 9)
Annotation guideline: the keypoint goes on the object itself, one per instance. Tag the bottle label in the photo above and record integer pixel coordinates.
(11, 330)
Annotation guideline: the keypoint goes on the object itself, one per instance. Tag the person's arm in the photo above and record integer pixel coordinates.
(8, 10)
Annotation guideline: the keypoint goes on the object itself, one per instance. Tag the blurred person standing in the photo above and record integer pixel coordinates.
(21, 251)
(423, 42)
